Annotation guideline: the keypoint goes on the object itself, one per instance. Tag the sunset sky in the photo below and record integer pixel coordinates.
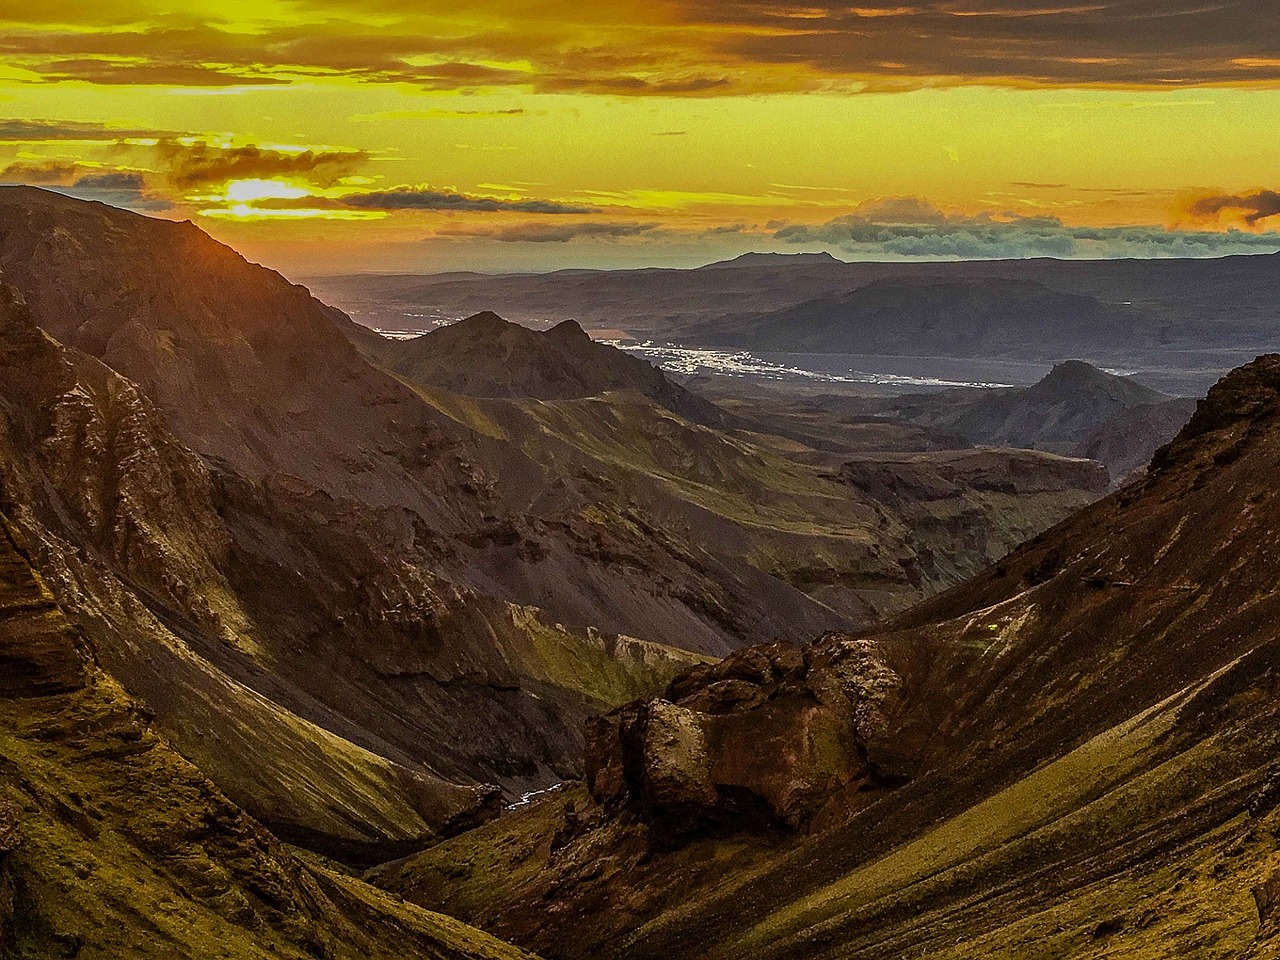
(331, 136)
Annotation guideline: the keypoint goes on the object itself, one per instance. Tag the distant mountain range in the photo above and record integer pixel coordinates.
(1193, 319)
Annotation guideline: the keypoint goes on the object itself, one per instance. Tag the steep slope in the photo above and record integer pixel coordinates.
(1127, 440)
(125, 522)
(1072, 754)
(112, 845)
(485, 356)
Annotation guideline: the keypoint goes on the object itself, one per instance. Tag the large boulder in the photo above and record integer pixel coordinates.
(772, 736)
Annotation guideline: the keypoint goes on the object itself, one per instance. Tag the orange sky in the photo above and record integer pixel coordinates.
(532, 134)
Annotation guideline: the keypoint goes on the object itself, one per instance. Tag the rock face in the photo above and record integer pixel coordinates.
(765, 738)
(112, 845)
(1127, 441)
(41, 656)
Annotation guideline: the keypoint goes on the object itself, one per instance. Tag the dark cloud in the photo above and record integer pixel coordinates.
(197, 164)
(37, 131)
(427, 198)
(677, 48)
(912, 228)
(40, 172)
(1253, 208)
(120, 189)
(1112, 42)
(111, 73)
(554, 232)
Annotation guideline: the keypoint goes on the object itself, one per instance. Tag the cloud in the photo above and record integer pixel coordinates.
(552, 232)
(196, 164)
(41, 131)
(680, 48)
(1107, 42)
(120, 189)
(50, 172)
(914, 228)
(110, 73)
(426, 198)
(1252, 208)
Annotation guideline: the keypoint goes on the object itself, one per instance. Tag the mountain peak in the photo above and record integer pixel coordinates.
(773, 260)
(1075, 378)
(1242, 399)
(485, 318)
(568, 330)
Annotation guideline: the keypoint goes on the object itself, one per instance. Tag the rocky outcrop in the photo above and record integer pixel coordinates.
(39, 651)
(769, 737)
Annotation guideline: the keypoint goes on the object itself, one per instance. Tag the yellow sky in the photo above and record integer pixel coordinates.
(525, 134)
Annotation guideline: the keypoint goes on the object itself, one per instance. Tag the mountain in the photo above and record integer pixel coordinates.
(372, 610)
(1057, 413)
(773, 260)
(1071, 754)
(953, 318)
(1183, 321)
(113, 845)
(486, 356)
(1076, 410)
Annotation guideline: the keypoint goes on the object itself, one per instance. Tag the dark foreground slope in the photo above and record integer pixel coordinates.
(112, 845)
(1074, 754)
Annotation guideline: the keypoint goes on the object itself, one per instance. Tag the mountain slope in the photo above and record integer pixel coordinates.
(1126, 440)
(1072, 754)
(112, 845)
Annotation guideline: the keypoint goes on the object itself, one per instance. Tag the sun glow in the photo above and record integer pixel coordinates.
(246, 191)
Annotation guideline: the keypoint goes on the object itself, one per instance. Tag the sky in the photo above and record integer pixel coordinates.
(334, 136)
